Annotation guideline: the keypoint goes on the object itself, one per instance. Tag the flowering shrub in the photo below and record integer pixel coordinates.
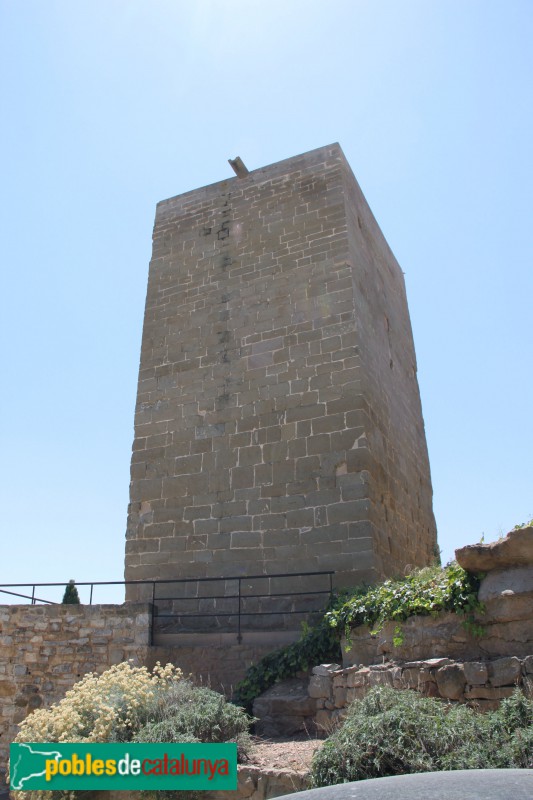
(129, 703)
(103, 708)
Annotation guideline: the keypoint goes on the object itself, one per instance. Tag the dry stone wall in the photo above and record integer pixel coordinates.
(505, 626)
(438, 656)
(45, 650)
(278, 424)
(480, 683)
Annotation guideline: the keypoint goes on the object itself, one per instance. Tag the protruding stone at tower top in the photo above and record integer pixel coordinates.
(278, 425)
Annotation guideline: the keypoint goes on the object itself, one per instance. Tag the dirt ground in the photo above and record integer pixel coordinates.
(292, 754)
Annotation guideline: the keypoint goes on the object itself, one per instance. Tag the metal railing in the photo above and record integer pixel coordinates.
(232, 607)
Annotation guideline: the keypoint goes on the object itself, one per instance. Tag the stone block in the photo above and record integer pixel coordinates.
(357, 678)
(410, 678)
(320, 686)
(504, 671)
(515, 550)
(379, 678)
(476, 673)
(339, 697)
(451, 681)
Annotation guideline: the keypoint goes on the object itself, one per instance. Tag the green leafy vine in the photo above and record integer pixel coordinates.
(316, 646)
(426, 592)
(429, 591)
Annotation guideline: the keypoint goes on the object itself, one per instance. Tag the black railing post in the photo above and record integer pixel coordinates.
(91, 595)
(33, 595)
(239, 637)
(153, 616)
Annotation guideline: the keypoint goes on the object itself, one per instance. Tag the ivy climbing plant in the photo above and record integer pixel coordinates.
(425, 592)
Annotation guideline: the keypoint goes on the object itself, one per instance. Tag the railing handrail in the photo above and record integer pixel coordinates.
(176, 580)
(239, 596)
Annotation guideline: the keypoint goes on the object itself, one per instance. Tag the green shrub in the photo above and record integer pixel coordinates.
(425, 592)
(394, 733)
(71, 596)
(193, 713)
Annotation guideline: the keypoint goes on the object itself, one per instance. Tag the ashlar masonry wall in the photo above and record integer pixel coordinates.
(278, 424)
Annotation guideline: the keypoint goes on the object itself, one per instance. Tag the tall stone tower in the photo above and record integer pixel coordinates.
(278, 424)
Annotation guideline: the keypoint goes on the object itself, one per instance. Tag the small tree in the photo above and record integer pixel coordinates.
(71, 593)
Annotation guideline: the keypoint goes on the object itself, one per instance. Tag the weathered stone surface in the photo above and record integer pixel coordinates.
(319, 686)
(278, 424)
(325, 669)
(515, 550)
(356, 679)
(339, 696)
(476, 672)
(451, 681)
(380, 678)
(410, 677)
(285, 708)
(507, 583)
(504, 671)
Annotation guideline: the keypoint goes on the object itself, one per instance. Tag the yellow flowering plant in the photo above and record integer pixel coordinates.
(128, 703)
(109, 707)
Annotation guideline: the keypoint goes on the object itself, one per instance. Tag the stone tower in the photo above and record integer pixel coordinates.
(278, 425)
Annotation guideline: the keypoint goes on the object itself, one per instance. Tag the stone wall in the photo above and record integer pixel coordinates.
(506, 592)
(438, 655)
(480, 683)
(45, 650)
(278, 425)
(219, 666)
(253, 783)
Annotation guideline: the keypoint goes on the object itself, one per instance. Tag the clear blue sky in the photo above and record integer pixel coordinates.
(111, 105)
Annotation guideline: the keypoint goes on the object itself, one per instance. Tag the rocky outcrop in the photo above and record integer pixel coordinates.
(504, 628)
(515, 550)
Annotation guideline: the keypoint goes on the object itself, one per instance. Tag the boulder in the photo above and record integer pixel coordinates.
(515, 550)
